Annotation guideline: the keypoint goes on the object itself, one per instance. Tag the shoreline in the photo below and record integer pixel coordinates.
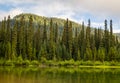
(66, 63)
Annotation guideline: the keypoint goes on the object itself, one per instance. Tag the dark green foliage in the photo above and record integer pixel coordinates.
(47, 40)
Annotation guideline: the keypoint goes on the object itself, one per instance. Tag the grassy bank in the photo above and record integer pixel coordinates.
(66, 63)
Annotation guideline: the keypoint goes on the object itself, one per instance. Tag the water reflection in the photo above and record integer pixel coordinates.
(58, 75)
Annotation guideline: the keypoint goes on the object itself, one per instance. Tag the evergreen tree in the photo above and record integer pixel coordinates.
(44, 32)
(51, 30)
(51, 43)
(56, 33)
(112, 54)
(101, 54)
(67, 37)
(29, 39)
(75, 50)
(37, 40)
(82, 41)
(112, 39)
(8, 32)
(88, 52)
(14, 40)
(106, 40)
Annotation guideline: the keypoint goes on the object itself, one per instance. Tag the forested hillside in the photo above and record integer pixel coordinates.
(39, 38)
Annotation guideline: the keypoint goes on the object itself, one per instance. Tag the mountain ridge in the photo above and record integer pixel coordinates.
(40, 19)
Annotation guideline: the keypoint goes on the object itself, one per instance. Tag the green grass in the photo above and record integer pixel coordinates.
(66, 63)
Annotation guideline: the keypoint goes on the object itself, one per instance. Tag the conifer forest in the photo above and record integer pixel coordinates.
(49, 41)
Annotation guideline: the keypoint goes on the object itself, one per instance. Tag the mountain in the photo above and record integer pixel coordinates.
(40, 19)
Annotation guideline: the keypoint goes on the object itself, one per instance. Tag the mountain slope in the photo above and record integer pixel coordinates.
(40, 19)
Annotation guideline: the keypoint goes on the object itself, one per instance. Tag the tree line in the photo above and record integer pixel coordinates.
(21, 38)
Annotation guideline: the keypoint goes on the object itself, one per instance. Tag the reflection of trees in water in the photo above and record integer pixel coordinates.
(59, 75)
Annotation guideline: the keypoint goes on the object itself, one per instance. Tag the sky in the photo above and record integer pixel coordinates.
(75, 10)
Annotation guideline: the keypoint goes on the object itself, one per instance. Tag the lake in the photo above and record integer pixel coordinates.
(59, 75)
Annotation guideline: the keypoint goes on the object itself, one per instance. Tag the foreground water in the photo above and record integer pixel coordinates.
(58, 75)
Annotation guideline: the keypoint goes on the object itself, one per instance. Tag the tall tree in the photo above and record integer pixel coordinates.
(44, 32)
(106, 40)
(30, 39)
(67, 37)
(88, 52)
(14, 41)
(51, 30)
(111, 34)
(37, 40)
(8, 32)
(82, 41)
(56, 33)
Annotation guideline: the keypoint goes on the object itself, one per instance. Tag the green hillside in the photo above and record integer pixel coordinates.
(40, 19)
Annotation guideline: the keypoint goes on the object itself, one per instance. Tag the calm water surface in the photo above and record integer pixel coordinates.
(58, 75)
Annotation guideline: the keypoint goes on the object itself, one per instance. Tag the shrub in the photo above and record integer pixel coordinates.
(107, 63)
(43, 60)
(9, 63)
(77, 63)
(19, 61)
(26, 63)
(34, 62)
(98, 63)
(81, 62)
(113, 63)
(88, 63)
(2, 62)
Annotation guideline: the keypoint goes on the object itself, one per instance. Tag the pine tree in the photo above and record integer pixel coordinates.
(82, 41)
(106, 40)
(30, 39)
(75, 50)
(67, 37)
(8, 32)
(112, 54)
(37, 40)
(88, 52)
(56, 33)
(14, 40)
(44, 32)
(70, 38)
(51, 43)
(51, 30)
(101, 54)
(3, 38)
(8, 40)
(8, 51)
(112, 40)
(96, 39)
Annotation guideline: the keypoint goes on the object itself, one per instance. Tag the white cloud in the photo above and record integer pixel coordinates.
(100, 9)
(12, 13)
(15, 12)
(97, 25)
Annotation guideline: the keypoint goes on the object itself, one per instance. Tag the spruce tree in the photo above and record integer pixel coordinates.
(29, 39)
(44, 32)
(106, 40)
(14, 41)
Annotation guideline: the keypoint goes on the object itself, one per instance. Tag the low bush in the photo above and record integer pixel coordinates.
(106, 63)
(97, 63)
(2, 62)
(88, 63)
(8, 63)
(35, 63)
(26, 63)
(113, 63)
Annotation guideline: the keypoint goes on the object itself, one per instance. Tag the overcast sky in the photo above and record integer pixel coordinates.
(76, 10)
